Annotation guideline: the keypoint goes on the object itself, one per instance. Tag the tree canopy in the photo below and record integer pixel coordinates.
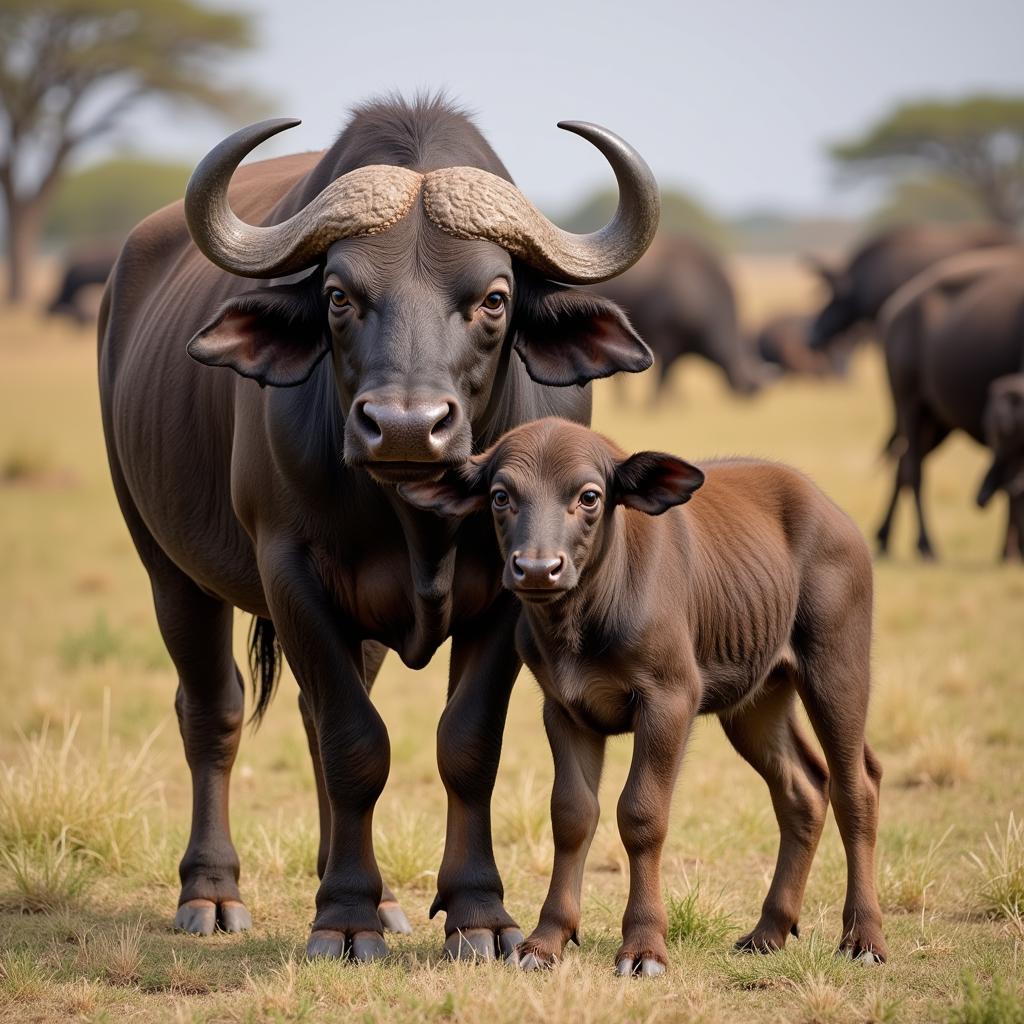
(977, 141)
(70, 69)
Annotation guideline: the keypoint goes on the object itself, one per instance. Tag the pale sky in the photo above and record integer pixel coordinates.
(733, 100)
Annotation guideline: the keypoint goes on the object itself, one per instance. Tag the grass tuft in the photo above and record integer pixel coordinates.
(121, 954)
(906, 875)
(941, 759)
(696, 919)
(44, 877)
(1000, 888)
(994, 1002)
(23, 979)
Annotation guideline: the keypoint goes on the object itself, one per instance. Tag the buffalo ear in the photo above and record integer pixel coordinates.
(566, 336)
(654, 482)
(456, 495)
(274, 335)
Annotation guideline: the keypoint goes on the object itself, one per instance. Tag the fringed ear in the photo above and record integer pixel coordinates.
(459, 493)
(566, 336)
(274, 335)
(654, 482)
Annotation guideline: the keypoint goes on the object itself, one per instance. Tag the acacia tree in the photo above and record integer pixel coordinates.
(70, 69)
(977, 141)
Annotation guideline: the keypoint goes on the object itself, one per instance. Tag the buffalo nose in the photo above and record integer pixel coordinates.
(537, 573)
(399, 432)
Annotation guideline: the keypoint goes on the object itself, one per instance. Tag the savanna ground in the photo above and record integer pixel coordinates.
(94, 792)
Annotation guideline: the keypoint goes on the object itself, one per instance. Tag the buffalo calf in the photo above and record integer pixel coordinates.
(639, 616)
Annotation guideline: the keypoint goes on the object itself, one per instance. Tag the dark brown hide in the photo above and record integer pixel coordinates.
(681, 302)
(784, 342)
(944, 348)
(882, 264)
(640, 616)
(393, 359)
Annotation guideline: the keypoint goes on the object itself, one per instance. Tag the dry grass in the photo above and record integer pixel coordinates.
(1000, 885)
(78, 622)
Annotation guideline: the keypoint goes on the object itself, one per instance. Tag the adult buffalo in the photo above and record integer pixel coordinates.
(884, 263)
(783, 342)
(681, 302)
(952, 336)
(390, 360)
(84, 270)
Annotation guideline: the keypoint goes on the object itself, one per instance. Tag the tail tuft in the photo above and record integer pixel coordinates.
(264, 665)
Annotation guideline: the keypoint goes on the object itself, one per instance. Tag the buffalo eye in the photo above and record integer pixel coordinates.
(338, 299)
(500, 499)
(494, 302)
(590, 498)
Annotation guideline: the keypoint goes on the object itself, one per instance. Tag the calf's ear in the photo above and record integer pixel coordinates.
(274, 335)
(456, 495)
(654, 482)
(566, 336)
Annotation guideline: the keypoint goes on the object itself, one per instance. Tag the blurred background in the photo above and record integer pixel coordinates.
(838, 283)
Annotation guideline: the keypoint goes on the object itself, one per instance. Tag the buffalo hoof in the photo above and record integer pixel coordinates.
(639, 967)
(335, 945)
(204, 917)
(765, 940)
(483, 944)
(861, 952)
(393, 918)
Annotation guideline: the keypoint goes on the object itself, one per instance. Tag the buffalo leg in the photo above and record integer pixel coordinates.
(767, 736)
(353, 747)
(1013, 544)
(484, 666)
(210, 707)
(391, 914)
(579, 755)
(660, 735)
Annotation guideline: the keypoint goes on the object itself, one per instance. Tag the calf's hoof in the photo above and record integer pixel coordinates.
(483, 944)
(639, 967)
(393, 918)
(204, 917)
(864, 946)
(335, 945)
(534, 955)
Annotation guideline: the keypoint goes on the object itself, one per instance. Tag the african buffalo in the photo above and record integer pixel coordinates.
(406, 315)
(949, 335)
(881, 265)
(82, 270)
(784, 342)
(681, 302)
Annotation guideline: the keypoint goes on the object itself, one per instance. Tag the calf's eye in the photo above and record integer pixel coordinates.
(500, 499)
(589, 499)
(338, 299)
(494, 302)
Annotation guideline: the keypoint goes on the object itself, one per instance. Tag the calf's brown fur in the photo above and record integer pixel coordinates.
(638, 621)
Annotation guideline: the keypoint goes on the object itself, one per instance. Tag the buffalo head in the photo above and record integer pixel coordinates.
(416, 282)
(1004, 433)
(841, 310)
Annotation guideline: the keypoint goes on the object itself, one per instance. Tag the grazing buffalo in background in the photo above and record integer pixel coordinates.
(881, 265)
(82, 270)
(784, 342)
(949, 336)
(423, 326)
(681, 302)
(1004, 434)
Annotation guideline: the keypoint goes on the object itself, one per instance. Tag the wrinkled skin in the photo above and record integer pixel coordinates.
(944, 353)
(680, 300)
(857, 291)
(640, 616)
(270, 489)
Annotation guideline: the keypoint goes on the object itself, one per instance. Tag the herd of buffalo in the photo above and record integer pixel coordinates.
(401, 456)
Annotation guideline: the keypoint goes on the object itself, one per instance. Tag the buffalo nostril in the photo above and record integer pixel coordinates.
(368, 422)
(517, 569)
(557, 565)
(445, 421)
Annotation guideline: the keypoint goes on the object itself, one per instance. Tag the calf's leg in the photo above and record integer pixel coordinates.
(579, 756)
(661, 731)
(834, 684)
(767, 736)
